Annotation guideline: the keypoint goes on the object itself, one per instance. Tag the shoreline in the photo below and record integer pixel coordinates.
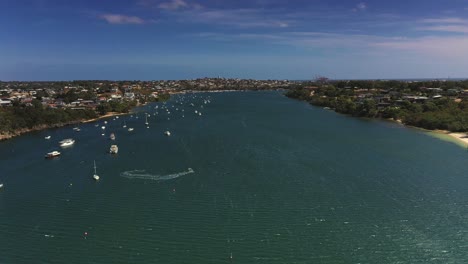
(10, 135)
(109, 114)
(459, 138)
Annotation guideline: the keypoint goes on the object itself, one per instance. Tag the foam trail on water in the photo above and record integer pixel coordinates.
(143, 175)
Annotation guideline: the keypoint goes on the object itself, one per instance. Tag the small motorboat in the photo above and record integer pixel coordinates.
(76, 129)
(130, 129)
(112, 136)
(95, 176)
(67, 142)
(48, 137)
(52, 154)
(167, 133)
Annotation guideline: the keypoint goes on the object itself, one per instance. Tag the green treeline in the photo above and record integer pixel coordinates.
(22, 116)
(27, 116)
(115, 106)
(444, 113)
(163, 97)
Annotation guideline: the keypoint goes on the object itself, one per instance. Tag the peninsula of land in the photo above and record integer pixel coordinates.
(436, 105)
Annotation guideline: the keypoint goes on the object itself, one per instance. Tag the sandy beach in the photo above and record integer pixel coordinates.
(462, 137)
(109, 114)
(458, 138)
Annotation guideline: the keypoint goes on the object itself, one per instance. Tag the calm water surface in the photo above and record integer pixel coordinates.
(272, 180)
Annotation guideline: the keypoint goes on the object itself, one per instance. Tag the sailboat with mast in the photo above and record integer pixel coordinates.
(95, 176)
(146, 120)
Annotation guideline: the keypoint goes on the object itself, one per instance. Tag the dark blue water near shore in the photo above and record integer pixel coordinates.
(272, 180)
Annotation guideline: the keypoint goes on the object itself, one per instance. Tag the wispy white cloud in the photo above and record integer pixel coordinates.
(437, 47)
(241, 18)
(190, 11)
(448, 20)
(432, 46)
(170, 5)
(173, 5)
(123, 19)
(360, 7)
(447, 28)
(446, 24)
(302, 39)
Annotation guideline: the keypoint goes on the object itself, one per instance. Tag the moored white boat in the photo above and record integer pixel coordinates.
(95, 176)
(52, 154)
(130, 129)
(112, 136)
(47, 137)
(67, 142)
(167, 133)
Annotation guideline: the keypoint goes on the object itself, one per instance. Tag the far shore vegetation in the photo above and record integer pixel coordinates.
(437, 104)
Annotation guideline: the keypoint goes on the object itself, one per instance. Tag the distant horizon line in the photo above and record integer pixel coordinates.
(297, 80)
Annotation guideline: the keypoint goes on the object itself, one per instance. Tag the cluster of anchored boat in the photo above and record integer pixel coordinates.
(114, 149)
(64, 143)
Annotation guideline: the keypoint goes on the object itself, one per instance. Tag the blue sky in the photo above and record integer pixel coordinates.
(260, 39)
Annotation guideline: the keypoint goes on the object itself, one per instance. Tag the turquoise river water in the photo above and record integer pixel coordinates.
(257, 178)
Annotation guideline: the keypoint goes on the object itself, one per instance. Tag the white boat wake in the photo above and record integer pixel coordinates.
(143, 175)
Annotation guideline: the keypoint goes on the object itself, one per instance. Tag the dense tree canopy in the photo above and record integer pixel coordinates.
(342, 96)
(21, 116)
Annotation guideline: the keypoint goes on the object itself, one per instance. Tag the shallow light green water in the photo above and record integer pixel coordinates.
(274, 181)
